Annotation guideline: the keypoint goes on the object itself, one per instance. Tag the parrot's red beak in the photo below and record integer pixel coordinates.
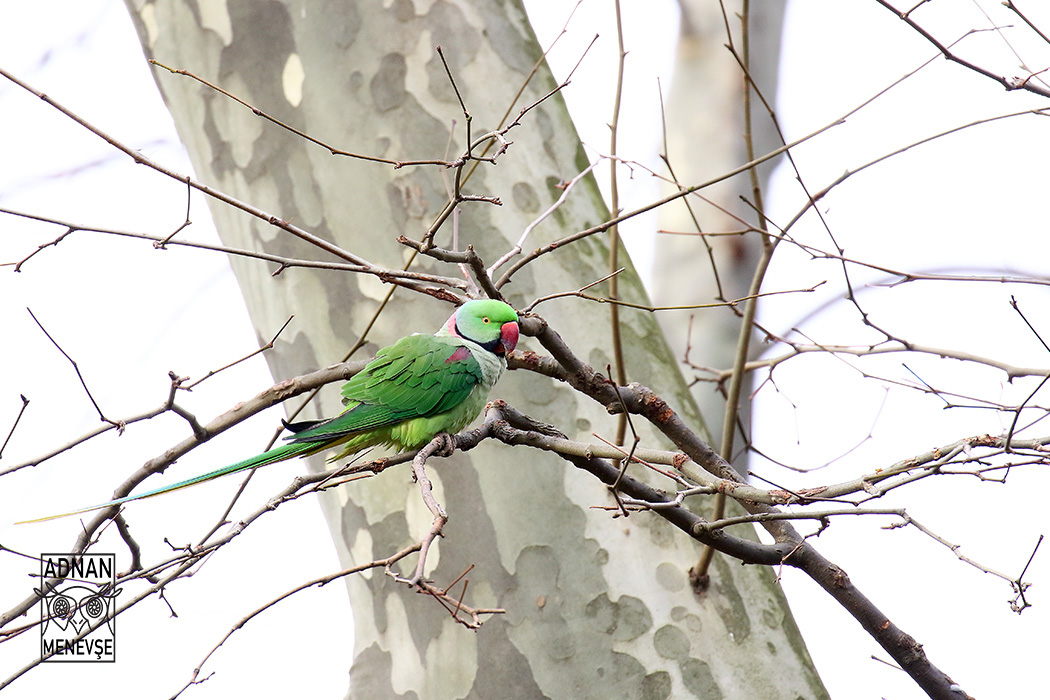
(508, 338)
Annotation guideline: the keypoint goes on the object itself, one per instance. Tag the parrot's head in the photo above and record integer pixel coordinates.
(491, 324)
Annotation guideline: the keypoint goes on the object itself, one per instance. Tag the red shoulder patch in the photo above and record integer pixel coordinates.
(461, 353)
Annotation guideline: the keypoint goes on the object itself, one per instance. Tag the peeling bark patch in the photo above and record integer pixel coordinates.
(370, 676)
(387, 535)
(729, 603)
(148, 15)
(537, 568)
(693, 623)
(505, 26)
(699, 681)
(771, 619)
(542, 393)
(628, 673)
(361, 550)
(545, 127)
(671, 643)
(601, 613)
(354, 81)
(656, 686)
(263, 38)
(459, 42)
(634, 619)
(504, 668)
(524, 196)
(305, 197)
(339, 21)
(292, 80)
(407, 198)
(624, 620)
(561, 646)
(388, 84)
(662, 533)
(216, 17)
(252, 66)
(403, 10)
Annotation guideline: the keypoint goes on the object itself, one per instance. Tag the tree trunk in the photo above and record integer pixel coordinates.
(596, 607)
(705, 134)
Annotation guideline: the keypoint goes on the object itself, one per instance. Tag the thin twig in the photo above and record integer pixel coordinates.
(101, 415)
(264, 348)
(25, 403)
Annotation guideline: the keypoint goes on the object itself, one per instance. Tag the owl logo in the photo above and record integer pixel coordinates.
(78, 607)
(75, 608)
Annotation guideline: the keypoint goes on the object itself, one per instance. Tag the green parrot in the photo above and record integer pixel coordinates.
(413, 390)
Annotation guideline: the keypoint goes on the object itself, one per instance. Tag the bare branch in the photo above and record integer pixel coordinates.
(1007, 83)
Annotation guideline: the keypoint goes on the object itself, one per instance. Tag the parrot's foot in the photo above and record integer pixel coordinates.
(444, 445)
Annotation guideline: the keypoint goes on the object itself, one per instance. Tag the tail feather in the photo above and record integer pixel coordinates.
(277, 454)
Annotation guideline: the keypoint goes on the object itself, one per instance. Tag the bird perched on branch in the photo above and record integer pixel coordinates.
(413, 390)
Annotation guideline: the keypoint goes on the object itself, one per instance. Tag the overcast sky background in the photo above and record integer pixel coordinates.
(929, 203)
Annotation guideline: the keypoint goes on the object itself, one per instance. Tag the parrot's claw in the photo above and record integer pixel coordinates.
(446, 445)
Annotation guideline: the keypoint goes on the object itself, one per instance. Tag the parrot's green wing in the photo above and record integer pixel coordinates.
(418, 376)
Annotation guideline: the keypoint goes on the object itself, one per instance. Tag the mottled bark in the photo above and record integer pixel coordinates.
(596, 607)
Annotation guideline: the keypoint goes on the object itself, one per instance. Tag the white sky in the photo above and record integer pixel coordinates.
(968, 201)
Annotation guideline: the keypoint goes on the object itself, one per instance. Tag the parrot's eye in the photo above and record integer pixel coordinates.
(485, 319)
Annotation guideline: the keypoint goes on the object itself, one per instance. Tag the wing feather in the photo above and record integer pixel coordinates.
(412, 378)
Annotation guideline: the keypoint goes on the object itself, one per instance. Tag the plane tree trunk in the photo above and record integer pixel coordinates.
(597, 607)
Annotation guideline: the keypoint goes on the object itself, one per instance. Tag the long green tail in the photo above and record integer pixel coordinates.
(277, 454)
